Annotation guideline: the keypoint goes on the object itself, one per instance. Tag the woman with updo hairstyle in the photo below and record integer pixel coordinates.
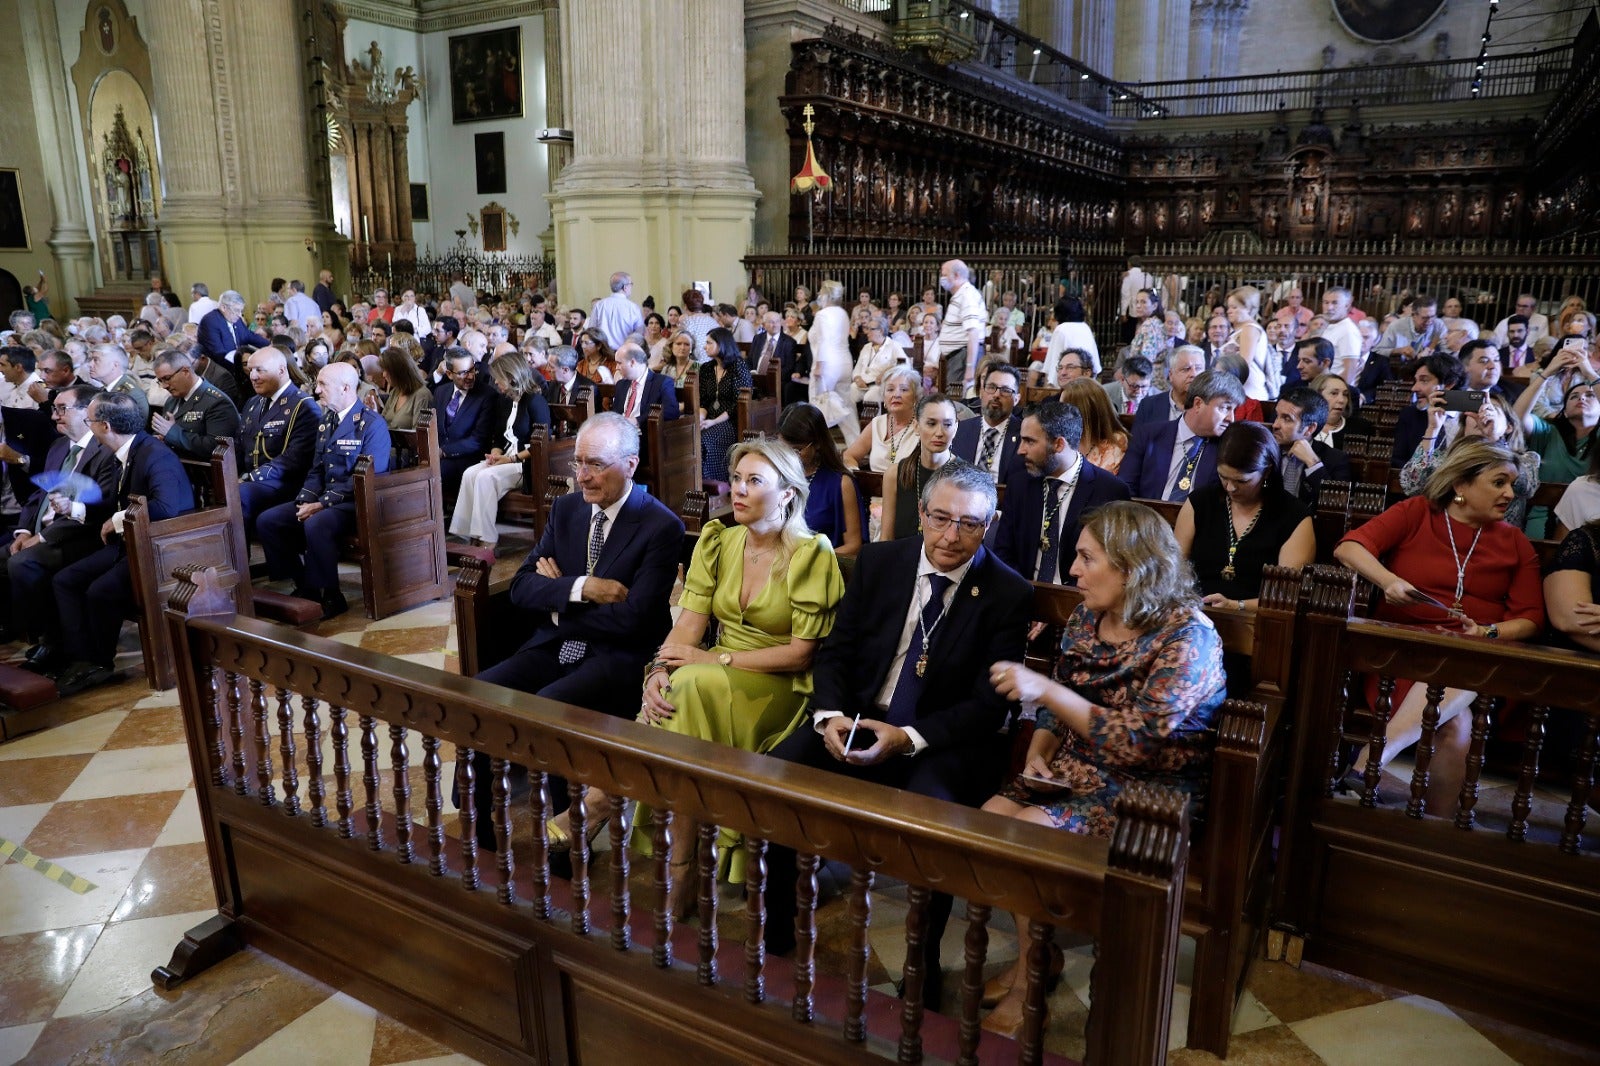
(1130, 699)
(721, 378)
(834, 505)
(1448, 560)
(1264, 377)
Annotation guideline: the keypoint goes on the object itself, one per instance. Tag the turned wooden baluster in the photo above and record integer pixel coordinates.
(855, 991)
(432, 771)
(1426, 746)
(1466, 809)
(291, 775)
(1346, 705)
(539, 805)
(805, 936)
(1380, 727)
(216, 747)
(369, 780)
(263, 743)
(977, 951)
(661, 845)
(755, 939)
(500, 775)
(1031, 1043)
(578, 825)
(467, 817)
(915, 975)
(316, 791)
(1522, 799)
(236, 732)
(343, 799)
(621, 904)
(706, 971)
(1582, 789)
(400, 759)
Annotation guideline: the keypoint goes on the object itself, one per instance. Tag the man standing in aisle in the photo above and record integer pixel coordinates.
(961, 336)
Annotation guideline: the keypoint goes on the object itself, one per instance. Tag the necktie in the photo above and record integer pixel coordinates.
(454, 405)
(1131, 408)
(572, 651)
(766, 355)
(991, 443)
(903, 704)
(68, 465)
(1186, 470)
(1050, 535)
(1293, 469)
(632, 406)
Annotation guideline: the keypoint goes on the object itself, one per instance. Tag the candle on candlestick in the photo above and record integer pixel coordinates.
(366, 230)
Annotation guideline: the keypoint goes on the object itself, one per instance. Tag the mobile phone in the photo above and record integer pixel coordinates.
(1419, 596)
(1464, 399)
(850, 739)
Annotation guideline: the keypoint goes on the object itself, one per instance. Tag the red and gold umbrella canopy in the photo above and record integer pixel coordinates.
(811, 177)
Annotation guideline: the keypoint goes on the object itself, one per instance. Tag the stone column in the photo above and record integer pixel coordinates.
(555, 109)
(657, 184)
(1139, 40)
(70, 238)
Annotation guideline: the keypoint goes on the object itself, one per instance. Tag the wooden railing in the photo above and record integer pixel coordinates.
(341, 863)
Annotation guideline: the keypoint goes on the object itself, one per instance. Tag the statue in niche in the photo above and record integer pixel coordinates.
(1343, 217)
(1208, 208)
(858, 183)
(1447, 212)
(1415, 223)
(1308, 202)
(1161, 217)
(1135, 216)
(1232, 202)
(1508, 211)
(1477, 213)
(1185, 216)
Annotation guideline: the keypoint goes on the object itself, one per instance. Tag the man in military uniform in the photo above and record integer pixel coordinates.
(108, 367)
(197, 415)
(277, 437)
(301, 538)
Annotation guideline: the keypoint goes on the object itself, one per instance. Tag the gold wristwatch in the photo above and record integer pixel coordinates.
(726, 658)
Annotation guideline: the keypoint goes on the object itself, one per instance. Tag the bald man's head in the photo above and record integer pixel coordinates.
(268, 371)
(336, 386)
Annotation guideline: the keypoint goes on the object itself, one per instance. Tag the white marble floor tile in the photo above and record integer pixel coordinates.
(82, 737)
(169, 698)
(1407, 1030)
(442, 1060)
(132, 771)
(437, 613)
(118, 968)
(183, 825)
(336, 1032)
(434, 659)
(17, 822)
(17, 1040)
(30, 902)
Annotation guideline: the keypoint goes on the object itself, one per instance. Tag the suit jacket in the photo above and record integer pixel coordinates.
(1335, 467)
(987, 622)
(200, 421)
(641, 551)
(470, 431)
(276, 442)
(330, 480)
(1374, 372)
(531, 411)
(324, 297)
(969, 434)
(219, 338)
(1017, 536)
(1154, 409)
(95, 463)
(1144, 468)
(553, 390)
(155, 472)
(657, 390)
(784, 353)
(1119, 399)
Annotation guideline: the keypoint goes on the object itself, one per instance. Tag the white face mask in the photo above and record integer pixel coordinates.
(946, 284)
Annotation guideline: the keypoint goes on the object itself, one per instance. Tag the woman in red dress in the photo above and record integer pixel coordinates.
(1452, 546)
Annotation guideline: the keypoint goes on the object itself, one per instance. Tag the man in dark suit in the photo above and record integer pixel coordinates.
(1169, 460)
(464, 409)
(771, 344)
(301, 538)
(1306, 462)
(440, 340)
(990, 441)
(1217, 331)
(597, 588)
(277, 438)
(1486, 370)
(323, 292)
(94, 594)
(566, 384)
(639, 388)
(1058, 484)
(1186, 363)
(919, 625)
(55, 530)
(198, 415)
(223, 329)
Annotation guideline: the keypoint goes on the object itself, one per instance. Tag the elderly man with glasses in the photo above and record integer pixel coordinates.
(197, 416)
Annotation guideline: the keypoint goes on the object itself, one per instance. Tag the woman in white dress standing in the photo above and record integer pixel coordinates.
(1265, 373)
(830, 389)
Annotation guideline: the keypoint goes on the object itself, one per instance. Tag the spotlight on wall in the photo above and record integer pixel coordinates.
(554, 135)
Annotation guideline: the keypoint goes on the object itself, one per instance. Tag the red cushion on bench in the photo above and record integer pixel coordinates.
(281, 607)
(22, 689)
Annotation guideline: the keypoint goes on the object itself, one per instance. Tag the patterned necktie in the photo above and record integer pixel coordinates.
(1050, 555)
(571, 651)
(991, 443)
(454, 406)
(903, 704)
(1293, 469)
(1187, 470)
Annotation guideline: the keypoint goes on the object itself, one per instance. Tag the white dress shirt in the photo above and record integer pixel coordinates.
(1068, 480)
(1179, 449)
(576, 595)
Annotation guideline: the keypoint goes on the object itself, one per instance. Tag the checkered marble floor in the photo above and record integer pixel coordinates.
(106, 796)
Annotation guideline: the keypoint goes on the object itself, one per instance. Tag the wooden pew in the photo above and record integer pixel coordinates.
(1492, 910)
(754, 417)
(1032, 394)
(506, 963)
(674, 451)
(399, 541)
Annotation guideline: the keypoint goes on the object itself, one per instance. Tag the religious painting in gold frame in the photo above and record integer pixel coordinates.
(13, 215)
(486, 75)
(494, 229)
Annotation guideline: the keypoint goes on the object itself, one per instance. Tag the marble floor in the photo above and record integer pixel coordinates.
(105, 797)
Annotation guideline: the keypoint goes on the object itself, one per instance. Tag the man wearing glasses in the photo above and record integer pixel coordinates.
(464, 406)
(596, 588)
(197, 415)
(990, 442)
(906, 669)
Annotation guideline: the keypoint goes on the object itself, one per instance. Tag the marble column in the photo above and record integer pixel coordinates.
(70, 238)
(555, 110)
(657, 184)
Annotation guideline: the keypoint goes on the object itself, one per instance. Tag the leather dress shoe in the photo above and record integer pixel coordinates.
(81, 676)
(333, 604)
(41, 659)
(301, 592)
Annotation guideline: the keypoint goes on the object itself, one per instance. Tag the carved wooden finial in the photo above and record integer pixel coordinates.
(1152, 831)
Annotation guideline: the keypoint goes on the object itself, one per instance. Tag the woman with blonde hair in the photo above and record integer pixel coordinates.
(1104, 441)
(1131, 697)
(1496, 423)
(678, 359)
(1264, 372)
(892, 434)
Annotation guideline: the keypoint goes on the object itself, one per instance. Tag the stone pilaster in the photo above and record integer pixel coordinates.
(70, 239)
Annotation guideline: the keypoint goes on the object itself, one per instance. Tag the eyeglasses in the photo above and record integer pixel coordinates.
(63, 408)
(938, 521)
(593, 467)
(1000, 390)
(163, 379)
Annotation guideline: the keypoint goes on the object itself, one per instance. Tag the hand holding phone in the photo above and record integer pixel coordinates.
(1464, 400)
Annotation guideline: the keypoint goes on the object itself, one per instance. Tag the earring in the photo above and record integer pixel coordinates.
(1460, 499)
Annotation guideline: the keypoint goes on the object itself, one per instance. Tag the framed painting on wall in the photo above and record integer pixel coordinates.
(489, 152)
(419, 202)
(13, 220)
(494, 229)
(486, 75)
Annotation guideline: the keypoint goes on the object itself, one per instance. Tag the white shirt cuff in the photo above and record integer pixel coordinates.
(78, 511)
(117, 520)
(820, 718)
(576, 595)
(918, 745)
